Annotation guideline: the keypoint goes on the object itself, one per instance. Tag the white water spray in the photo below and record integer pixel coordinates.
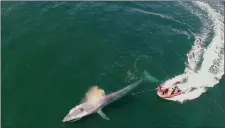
(94, 95)
(210, 58)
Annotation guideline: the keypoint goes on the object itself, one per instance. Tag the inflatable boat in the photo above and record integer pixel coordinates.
(169, 92)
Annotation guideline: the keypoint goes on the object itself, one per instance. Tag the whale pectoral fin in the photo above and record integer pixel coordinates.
(103, 115)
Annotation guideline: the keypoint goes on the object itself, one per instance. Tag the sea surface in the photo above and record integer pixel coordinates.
(53, 52)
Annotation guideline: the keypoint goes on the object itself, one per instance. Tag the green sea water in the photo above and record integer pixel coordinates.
(53, 52)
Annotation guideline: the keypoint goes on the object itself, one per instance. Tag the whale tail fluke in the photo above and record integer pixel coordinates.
(147, 77)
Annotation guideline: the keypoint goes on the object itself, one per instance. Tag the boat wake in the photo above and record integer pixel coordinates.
(205, 62)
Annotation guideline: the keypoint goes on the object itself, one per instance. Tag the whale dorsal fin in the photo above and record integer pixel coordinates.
(102, 114)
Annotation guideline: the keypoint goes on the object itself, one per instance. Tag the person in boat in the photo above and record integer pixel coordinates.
(170, 91)
(162, 90)
(176, 89)
(166, 91)
(173, 90)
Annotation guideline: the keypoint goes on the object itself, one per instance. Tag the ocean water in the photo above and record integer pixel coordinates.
(53, 52)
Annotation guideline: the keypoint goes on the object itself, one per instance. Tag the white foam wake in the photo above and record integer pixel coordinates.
(205, 65)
